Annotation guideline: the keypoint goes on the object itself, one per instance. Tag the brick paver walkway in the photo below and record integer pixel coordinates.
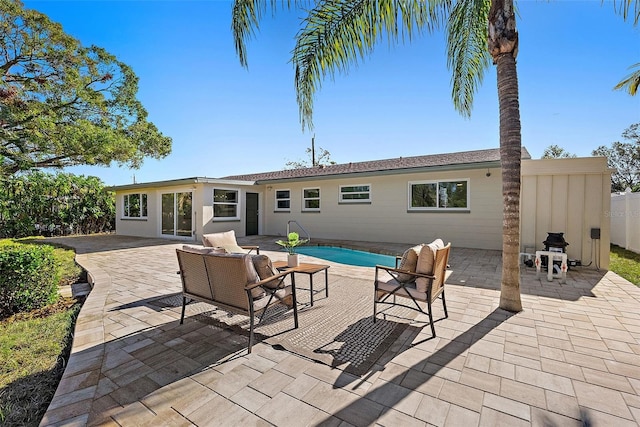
(571, 356)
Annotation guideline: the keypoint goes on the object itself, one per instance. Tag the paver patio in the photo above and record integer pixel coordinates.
(571, 356)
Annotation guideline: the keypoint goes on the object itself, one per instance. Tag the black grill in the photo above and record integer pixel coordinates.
(555, 240)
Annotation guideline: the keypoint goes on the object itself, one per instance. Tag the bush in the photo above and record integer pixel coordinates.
(29, 278)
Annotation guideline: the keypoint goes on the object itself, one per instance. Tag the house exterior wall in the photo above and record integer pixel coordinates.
(387, 217)
(569, 196)
(215, 225)
(202, 212)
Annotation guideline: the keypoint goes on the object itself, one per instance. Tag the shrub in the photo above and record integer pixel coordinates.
(29, 277)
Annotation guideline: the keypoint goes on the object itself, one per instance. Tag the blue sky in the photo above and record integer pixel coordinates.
(225, 120)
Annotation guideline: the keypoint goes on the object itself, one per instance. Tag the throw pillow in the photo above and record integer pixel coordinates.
(426, 259)
(264, 268)
(408, 262)
(233, 249)
(219, 239)
(252, 277)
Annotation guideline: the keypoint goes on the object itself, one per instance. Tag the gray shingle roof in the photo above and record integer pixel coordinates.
(397, 164)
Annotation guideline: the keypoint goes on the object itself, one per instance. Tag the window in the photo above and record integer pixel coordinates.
(225, 203)
(311, 199)
(355, 193)
(283, 200)
(430, 195)
(134, 205)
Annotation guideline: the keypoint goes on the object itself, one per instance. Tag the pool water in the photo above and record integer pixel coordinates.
(347, 256)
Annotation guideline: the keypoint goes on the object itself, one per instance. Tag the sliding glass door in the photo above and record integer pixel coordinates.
(177, 214)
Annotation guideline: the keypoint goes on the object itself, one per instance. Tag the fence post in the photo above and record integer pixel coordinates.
(627, 217)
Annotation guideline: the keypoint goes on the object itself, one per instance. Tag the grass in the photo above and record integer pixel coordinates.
(625, 263)
(34, 347)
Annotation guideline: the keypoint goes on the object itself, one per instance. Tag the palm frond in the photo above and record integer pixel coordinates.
(337, 34)
(631, 82)
(245, 20)
(629, 9)
(467, 54)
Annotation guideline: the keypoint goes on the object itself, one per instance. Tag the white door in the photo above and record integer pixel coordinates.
(177, 214)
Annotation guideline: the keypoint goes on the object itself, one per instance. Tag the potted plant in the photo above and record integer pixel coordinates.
(293, 240)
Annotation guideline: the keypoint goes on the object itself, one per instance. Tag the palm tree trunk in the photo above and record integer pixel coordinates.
(503, 45)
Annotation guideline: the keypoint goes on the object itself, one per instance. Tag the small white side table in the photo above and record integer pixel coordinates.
(551, 257)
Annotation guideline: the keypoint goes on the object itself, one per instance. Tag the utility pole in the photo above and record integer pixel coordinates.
(313, 151)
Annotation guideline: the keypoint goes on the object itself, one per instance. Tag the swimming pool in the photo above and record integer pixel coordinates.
(347, 256)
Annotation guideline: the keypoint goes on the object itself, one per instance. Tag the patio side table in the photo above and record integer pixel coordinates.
(310, 270)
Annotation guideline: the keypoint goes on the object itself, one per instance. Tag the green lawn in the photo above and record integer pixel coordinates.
(34, 347)
(625, 263)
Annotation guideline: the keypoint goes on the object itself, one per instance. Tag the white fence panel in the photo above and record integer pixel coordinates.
(625, 220)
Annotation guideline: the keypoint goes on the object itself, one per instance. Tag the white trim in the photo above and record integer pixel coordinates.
(175, 214)
(146, 205)
(342, 200)
(304, 200)
(437, 183)
(238, 204)
(276, 199)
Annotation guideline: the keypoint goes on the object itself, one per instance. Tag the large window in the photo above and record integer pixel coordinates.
(283, 200)
(311, 199)
(355, 193)
(134, 205)
(225, 204)
(430, 195)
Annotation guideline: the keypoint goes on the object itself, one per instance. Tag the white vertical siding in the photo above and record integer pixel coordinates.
(569, 196)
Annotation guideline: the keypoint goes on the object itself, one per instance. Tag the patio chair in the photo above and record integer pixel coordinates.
(424, 285)
(227, 240)
(231, 282)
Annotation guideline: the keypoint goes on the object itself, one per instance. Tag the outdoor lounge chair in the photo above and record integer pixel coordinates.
(227, 241)
(424, 284)
(231, 282)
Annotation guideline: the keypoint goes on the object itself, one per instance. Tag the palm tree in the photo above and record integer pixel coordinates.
(631, 82)
(337, 33)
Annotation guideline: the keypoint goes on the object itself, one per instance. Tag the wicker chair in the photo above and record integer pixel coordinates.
(230, 282)
(415, 286)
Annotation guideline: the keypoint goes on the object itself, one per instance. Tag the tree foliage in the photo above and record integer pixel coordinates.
(336, 34)
(39, 203)
(624, 157)
(322, 158)
(64, 104)
(556, 152)
(631, 82)
(29, 278)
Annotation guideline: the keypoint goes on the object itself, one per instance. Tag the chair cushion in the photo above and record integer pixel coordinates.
(233, 249)
(252, 277)
(219, 239)
(407, 289)
(264, 268)
(408, 262)
(425, 263)
(202, 249)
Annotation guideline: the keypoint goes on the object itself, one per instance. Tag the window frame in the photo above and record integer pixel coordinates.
(342, 200)
(276, 200)
(236, 204)
(305, 199)
(144, 206)
(438, 208)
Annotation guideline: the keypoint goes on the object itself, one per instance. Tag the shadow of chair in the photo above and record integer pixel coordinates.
(420, 287)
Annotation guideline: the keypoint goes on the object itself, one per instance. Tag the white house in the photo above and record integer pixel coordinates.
(455, 196)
